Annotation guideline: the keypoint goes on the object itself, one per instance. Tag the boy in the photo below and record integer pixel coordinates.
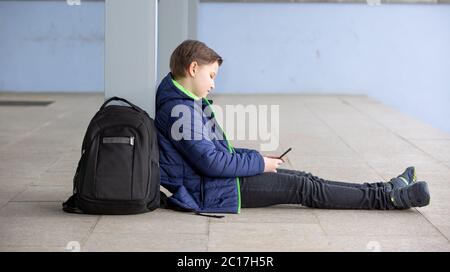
(205, 173)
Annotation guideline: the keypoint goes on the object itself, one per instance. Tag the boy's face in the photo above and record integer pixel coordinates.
(202, 77)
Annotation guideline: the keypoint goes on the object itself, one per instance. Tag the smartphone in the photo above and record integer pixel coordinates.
(285, 152)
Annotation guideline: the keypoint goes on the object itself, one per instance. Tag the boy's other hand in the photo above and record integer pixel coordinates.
(271, 164)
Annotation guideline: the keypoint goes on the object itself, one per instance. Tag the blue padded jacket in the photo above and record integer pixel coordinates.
(200, 168)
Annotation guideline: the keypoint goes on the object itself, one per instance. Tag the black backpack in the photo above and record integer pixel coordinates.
(118, 172)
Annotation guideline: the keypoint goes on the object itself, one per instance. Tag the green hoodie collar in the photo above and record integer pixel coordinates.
(184, 90)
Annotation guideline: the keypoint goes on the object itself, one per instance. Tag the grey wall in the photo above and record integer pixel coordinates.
(177, 21)
(130, 51)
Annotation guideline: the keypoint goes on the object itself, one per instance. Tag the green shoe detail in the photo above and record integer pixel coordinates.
(404, 180)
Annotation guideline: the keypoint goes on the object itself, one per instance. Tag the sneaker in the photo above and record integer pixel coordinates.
(415, 194)
(403, 180)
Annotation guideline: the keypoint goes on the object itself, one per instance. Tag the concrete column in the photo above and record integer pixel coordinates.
(131, 51)
(177, 21)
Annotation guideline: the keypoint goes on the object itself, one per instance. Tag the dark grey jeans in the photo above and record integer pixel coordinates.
(297, 187)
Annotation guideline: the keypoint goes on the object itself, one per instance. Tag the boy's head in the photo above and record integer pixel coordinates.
(195, 65)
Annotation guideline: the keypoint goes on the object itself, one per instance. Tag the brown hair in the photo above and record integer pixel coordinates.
(189, 51)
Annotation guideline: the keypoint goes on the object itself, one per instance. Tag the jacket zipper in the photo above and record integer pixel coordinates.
(202, 193)
(231, 150)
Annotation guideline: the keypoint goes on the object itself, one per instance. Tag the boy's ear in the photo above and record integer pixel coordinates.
(193, 67)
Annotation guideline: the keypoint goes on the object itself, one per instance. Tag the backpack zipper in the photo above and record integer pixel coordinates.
(118, 140)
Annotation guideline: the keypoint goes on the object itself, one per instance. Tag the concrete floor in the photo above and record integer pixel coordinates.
(349, 138)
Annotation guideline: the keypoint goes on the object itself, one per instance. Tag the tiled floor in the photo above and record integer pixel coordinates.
(351, 138)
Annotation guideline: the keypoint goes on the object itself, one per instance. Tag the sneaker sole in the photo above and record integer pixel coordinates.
(419, 195)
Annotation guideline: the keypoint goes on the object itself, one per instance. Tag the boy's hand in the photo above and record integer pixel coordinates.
(271, 164)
